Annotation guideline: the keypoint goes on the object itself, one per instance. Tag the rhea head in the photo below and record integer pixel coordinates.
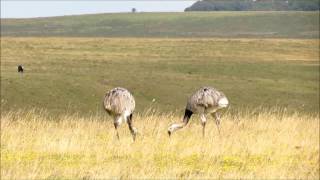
(175, 126)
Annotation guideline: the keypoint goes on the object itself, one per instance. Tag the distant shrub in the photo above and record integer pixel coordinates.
(255, 5)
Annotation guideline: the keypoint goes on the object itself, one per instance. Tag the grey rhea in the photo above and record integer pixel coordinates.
(206, 100)
(119, 103)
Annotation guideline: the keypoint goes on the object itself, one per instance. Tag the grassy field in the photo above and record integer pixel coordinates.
(191, 24)
(53, 125)
(264, 145)
(73, 74)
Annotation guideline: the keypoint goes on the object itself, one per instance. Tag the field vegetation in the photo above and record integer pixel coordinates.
(265, 5)
(263, 145)
(53, 125)
(73, 74)
(191, 24)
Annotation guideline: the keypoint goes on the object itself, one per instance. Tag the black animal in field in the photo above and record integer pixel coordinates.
(20, 69)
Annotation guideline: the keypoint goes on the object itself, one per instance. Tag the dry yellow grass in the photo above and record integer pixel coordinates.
(252, 145)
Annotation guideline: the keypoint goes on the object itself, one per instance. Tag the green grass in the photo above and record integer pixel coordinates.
(191, 24)
(72, 74)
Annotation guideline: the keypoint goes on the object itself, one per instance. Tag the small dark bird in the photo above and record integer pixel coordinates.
(20, 69)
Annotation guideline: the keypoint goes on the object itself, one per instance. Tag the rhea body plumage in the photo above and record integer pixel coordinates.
(206, 100)
(120, 104)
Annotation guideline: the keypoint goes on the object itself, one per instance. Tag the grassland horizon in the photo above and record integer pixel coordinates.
(245, 24)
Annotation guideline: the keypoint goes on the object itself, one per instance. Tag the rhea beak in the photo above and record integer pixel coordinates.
(169, 133)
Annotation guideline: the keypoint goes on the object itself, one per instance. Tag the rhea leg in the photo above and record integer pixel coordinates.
(216, 116)
(131, 128)
(117, 122)
(203, 123)
(116, 127)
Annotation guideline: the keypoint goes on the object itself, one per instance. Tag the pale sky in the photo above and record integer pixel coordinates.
(47, 8)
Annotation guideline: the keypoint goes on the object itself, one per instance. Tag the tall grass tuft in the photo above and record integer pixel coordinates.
(260, 144)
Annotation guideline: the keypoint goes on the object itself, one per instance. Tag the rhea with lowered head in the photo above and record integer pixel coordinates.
(206, 100)
(119, 103)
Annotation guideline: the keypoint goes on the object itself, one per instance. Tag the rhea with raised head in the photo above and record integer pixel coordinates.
(120, 104)
(206, 100)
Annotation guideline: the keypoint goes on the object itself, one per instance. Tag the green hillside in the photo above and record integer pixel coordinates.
(190, 24)
(73, 74)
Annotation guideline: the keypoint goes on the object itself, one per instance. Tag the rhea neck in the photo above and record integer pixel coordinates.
(187, 115)
(176, 126)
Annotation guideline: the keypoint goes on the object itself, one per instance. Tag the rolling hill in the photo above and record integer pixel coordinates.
(264, 59)
(190, 24)
(73, 74)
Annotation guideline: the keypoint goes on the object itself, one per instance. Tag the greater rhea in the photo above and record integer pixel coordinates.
(119, 103)
(206, 100)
